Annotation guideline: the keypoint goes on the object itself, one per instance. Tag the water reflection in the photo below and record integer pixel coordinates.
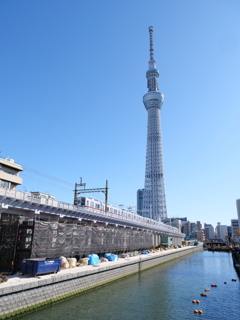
(164, 292)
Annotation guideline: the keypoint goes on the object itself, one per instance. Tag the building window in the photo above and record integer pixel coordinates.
(5, 184)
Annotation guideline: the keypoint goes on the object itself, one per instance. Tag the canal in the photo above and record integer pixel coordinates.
(163, 292)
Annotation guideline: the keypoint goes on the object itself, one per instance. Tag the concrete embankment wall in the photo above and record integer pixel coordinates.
(24, 294)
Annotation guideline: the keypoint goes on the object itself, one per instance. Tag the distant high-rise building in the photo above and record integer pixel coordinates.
(154, 201)
(200, 235)
(199, 226)
(221, 231)
(238, 210)
(235, 230)
(230, 234)
(187, 228)
(140, 201)
(209, 231)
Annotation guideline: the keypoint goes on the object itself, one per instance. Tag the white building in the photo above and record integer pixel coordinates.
(174, 222)
(9, 174)
(221, 231)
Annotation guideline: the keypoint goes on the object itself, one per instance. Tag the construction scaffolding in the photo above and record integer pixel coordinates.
(9, 225)
(53, 239)
(22, 238)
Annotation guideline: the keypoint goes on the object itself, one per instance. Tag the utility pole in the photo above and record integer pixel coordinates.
(79, 191)
(81, 184)
(106, 197)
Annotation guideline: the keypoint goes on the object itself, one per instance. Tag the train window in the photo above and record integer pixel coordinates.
(115, 211)
(97, 205)
(111, 210)
(87, 203)
(91, 204)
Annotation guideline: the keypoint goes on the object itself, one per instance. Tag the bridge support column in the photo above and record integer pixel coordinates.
(156, 239)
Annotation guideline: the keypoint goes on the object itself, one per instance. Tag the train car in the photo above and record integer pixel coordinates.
(99, 206)
(94, 204)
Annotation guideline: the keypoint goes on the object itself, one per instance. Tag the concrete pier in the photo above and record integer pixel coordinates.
(22, 294)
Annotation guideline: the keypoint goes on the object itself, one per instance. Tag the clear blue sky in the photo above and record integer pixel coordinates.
(72, 79)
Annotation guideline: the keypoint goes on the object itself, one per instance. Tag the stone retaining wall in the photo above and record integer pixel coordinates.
(28, 294)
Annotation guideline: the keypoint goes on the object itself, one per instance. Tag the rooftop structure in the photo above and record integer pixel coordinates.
(154, 202)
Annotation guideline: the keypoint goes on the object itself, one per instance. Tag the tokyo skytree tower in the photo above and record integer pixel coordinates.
(154, 200)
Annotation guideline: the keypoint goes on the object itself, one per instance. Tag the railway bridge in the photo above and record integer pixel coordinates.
(31, 206)
(40, 226)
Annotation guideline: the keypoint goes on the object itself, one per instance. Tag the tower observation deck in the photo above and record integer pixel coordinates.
(154, 200)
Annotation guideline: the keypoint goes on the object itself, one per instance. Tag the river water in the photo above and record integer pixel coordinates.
(163, 292)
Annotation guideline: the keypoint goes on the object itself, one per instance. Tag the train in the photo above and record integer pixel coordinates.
(99, 207)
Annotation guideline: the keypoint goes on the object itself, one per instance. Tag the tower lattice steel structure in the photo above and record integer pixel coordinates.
(154, 200)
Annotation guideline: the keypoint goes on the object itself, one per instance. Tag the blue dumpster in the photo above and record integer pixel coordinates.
(24, 266)
(40, 266)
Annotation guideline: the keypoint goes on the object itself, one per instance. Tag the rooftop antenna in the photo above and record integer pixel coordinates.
(151, 43)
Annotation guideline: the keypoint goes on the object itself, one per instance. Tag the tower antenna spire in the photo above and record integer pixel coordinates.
(151, 43)
(154, 200)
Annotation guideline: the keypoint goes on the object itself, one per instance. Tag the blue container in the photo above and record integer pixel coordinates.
(40, 266)
(24, 266)
(111, 257)
(93, 259)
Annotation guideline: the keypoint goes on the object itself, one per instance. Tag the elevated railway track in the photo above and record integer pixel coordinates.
(32, 206)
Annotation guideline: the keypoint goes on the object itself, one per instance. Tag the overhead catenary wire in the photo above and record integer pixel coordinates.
(97, 196)
(46, 182)
(46, 175)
